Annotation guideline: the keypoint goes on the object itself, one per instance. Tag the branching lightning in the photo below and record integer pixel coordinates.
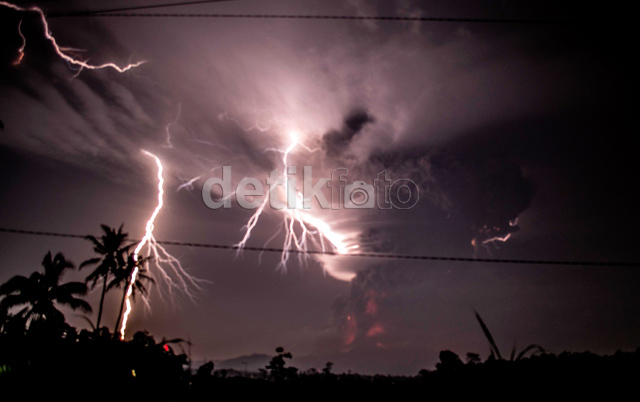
(167, 267)
(58, 49)
(301, 227)
(167, 129)
(188, 185)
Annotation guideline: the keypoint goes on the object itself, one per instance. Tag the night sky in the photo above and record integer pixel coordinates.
(508, 129)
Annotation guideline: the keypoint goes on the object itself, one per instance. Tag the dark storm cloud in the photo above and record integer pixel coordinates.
(488, 192)
(335, 142)
(103, 118)
(98, 119)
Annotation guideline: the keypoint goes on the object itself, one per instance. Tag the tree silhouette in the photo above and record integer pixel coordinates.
(41, 292)
(327, 369)
(277, 366)
(449, 362)
(122, 276)
(112, 249)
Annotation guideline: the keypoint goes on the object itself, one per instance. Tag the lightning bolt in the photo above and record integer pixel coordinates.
(497, 238)
(167, 129)
(504, 238)
(58, 49)
(21, 48)
(167, 267)
(302, 229)
(188, 185)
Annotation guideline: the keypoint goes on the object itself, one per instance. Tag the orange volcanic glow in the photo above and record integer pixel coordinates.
(350, 330)
(375, 330)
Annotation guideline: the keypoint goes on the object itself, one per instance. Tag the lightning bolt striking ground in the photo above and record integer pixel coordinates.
(167, 267)
(60, 50)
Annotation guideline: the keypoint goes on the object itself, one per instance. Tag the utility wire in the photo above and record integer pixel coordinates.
(317, 17)
(118, 10)
(362, 255)
(123, 12)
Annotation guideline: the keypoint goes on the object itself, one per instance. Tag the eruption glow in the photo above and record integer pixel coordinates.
(60, 50)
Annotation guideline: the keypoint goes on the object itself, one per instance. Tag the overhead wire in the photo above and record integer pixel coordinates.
(361, 255)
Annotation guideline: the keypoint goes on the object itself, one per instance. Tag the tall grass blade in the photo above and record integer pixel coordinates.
(538, 348)
(487, 334)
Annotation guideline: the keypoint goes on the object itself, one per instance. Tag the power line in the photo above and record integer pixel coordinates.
(117, 10)
(361, 255)
(317, 17)
(120, 12)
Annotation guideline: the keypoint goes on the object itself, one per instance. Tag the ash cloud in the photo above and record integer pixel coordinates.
(482, 198)
(335, 142)
(487, 193)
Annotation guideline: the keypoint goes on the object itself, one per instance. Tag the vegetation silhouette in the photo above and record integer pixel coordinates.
(495, 352)
(42, 356)
(40, 292)
(327, 369)
(111, 247)
(277, 368)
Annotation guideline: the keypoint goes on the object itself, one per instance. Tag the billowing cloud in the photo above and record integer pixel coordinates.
(335, 142)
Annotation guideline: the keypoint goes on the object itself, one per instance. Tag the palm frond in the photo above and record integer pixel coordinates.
(87, 319)
(75, 303)
(14, 300)
(175, 340)
(70, 288)
(115, 283)
(106, 229)
(90, 261)
(14, 284)
(97, 246)
(54, 268)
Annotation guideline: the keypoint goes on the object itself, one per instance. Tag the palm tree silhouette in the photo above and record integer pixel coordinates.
(41, 292)
(111, 249)
(122, 276)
